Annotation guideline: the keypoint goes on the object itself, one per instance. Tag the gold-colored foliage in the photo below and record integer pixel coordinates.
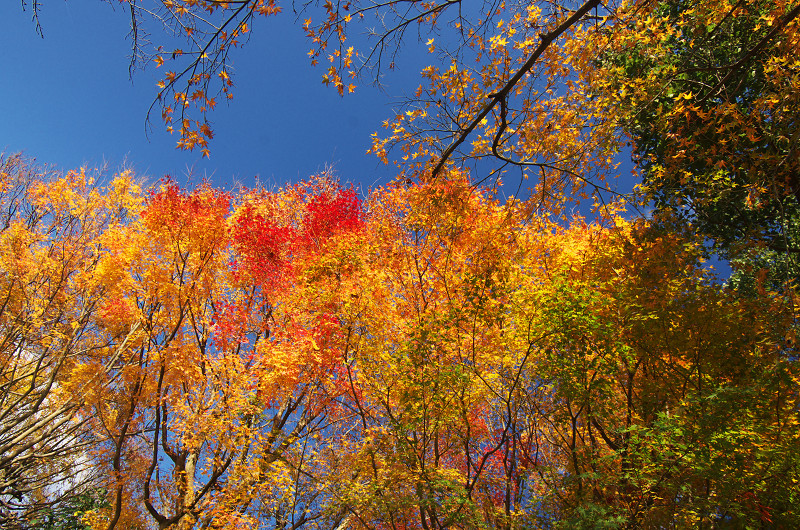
(431, 358)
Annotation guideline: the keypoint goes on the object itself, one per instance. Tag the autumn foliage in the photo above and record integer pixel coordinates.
(434, 353)
(428, 358)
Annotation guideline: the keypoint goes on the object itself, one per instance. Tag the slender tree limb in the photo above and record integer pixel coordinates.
(546, 40)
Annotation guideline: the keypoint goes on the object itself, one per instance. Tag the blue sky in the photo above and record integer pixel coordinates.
(67, 100)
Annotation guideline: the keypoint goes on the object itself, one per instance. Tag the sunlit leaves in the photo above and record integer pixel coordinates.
(433, 356)
(205, 371)
(53, 234)
(262, 244)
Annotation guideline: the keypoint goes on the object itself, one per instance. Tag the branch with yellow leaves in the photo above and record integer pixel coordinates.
(501, 96)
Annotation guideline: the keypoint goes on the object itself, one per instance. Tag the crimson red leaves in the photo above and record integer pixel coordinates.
(199, 213)
(265, 246)
(262, 245)
(327, 214)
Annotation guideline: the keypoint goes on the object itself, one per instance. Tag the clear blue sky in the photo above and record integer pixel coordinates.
(66, 99)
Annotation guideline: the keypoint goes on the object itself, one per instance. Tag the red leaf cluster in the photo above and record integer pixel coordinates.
(174, 208)
(262, 245)
(328, 214)
(230, 326)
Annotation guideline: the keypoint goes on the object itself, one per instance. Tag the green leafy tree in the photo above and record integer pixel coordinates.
(68, 515)
(674, 398)
(714, 125)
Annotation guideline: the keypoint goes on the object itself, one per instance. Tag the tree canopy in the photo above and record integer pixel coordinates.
(432, 353)
(428, 358)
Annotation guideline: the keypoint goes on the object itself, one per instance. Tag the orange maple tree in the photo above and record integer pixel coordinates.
(232, 365)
